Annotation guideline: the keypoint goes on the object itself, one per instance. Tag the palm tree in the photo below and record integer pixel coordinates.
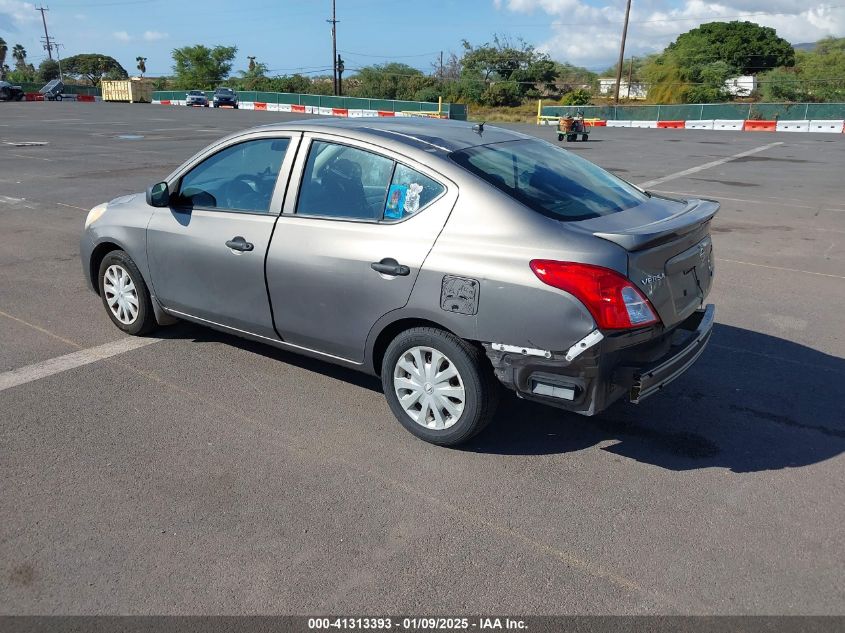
(4, 48)
(251, 63)
(19, 55)
(142, 64)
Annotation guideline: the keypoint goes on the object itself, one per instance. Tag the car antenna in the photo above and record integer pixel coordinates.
(479, 127)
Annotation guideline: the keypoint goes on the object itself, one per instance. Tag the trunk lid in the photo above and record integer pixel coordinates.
(670, 251)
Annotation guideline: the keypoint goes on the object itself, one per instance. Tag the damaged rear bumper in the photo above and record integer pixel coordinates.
(631, 365)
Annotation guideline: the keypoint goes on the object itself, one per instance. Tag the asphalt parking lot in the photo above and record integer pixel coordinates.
(207, 474)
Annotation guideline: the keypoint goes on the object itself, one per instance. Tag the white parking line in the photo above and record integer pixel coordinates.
(791, 270)
(52, 366)
(711, 164)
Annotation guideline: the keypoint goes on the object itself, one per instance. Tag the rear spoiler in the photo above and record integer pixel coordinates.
(695, 213)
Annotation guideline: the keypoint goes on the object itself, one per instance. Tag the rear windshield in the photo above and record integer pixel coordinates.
(224, 91)
(550, 180)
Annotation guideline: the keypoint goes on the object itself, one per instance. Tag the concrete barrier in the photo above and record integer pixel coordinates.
(760, 126)
(671, 125)
(833, 126)
(618, 124)
(792, 126)
(728, 124)
(704, 124)
(644, 124)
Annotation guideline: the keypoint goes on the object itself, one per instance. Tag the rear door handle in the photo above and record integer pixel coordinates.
(389, 266)
(240, 244)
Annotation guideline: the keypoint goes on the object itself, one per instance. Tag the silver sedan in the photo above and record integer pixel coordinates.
(447, 258)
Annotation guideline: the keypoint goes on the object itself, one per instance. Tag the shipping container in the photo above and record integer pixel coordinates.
(133, 90)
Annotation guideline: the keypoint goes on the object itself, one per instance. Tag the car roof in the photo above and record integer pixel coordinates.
(429, 135)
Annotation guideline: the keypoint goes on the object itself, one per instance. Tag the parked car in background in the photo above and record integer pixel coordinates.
(443, 257)
(196, 98)
(8, 92)
(225, 98)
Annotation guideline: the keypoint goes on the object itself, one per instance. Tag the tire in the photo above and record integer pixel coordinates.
(19, 96)
(585, 137)
(143, 321)
(5, 95)
(58, 98)
(474, 383)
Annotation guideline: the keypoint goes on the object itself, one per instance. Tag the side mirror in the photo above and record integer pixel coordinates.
(158, 195)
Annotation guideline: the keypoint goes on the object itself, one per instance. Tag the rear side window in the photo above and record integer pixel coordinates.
(409, 192)
(550, 180)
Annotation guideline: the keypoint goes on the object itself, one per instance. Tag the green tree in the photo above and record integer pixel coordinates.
(47, 71)
(290, 83)
(783, 84)
(19, 55)
(200, 67)
(526, 71)
(142, 64)
(93, 67)
(255, 77)
(745, 46)
(689, 68)
(388, 81)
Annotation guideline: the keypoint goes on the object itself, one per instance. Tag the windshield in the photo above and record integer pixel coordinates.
(550, 180)
(196, 93)
(224, 91)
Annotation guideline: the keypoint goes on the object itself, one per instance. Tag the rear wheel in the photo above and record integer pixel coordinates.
(584, 137)
(125, 295)
(440, 387)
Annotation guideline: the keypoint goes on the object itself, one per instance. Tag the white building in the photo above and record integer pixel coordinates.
(635, 91)
(741, 86)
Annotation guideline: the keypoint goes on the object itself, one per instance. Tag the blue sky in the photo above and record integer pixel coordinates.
(291, 36)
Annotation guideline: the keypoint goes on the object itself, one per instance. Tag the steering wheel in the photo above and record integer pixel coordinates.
(238, 193)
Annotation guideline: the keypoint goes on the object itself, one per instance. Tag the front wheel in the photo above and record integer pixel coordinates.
(440, 387)
(125, 295)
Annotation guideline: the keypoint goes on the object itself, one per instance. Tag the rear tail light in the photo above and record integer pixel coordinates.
(612, 299)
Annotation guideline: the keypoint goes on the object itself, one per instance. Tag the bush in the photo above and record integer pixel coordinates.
(577, 98)
(502, 94)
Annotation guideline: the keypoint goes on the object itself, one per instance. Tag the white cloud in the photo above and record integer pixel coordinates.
(123, 36)
(152, 36)
(15, 14)
(589, 34)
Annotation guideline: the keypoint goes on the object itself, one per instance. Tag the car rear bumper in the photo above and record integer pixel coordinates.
(631, 365)
(654, 377)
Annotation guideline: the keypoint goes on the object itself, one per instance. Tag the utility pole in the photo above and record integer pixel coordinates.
(621, 53)
(47, 44)
(59, 59)
(334, 22)
(630, 74)
(340, 68)
(441, 65)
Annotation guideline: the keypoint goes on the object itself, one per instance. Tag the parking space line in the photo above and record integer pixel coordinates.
(791, 270)
(60, 364)
(710, 165)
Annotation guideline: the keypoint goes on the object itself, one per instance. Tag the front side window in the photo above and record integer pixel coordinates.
(550, 180)
(344, 182)
(239, 178)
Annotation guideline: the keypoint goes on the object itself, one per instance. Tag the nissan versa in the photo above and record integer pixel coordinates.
(441, 256)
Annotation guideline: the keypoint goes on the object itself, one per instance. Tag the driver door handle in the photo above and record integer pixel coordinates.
(389, 266)
(240, 244)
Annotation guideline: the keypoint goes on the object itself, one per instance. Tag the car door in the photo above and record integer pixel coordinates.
(349, 245)
(206, 251)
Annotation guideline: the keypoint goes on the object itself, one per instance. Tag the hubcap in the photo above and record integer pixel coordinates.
(121, 295)
(429, 388)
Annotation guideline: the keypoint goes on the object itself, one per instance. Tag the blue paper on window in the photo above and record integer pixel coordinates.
(395, 205)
